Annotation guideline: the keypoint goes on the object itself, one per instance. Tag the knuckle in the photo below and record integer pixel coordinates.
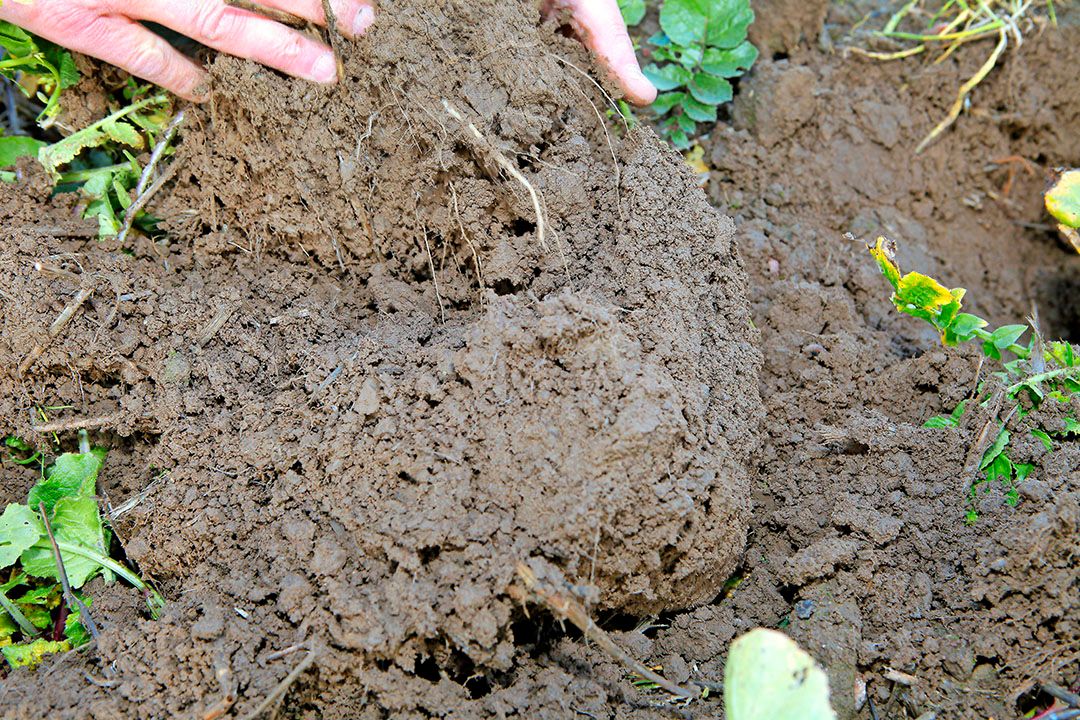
(214, 23)
(149, 61)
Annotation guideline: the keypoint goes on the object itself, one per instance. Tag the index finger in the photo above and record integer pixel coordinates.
(603, 31)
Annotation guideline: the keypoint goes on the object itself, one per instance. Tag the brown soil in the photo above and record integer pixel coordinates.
(333, 444)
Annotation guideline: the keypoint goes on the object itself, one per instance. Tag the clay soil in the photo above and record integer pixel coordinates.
(354, 385)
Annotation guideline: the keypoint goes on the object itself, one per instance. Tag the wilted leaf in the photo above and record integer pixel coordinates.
(923, 292)
(1063, 199)
(32, 653)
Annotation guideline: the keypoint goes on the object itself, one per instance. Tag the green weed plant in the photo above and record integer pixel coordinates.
(1039, 371)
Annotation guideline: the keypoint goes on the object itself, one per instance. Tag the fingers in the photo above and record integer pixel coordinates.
(243, 34)
(354, 17)
(130, 46)
(604, 32)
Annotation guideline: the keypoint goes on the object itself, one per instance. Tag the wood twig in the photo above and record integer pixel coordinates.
(566, 607)
(500, 159)
(279, 692)
(285, 18)
(84, 612)
(56, 328)
(228, 693)
(144, 190)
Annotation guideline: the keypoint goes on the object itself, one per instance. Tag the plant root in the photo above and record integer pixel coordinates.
(279, 692)
(500, 159)
(143, 193)
(961, 97)
(55, 329)
(334, 36)
(469, 242)
(228, 693)
(566, 607)
(72, 599)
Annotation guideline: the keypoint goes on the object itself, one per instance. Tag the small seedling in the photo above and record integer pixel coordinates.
(701, 46)
(38, 620)
(1063, 203)
(1040, 371)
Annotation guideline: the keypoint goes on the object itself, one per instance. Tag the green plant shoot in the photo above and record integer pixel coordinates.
(38, 67)
(66, 494)
(1063, 203)
(702, 45)
(1041, 370)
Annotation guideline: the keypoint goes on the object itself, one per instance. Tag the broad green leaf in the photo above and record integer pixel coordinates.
(38, 616)
(940, 421)
(20, 528)
(710, 90)
(768, 677)
(74, 631)
(679, 139)
(699, 112)
(71, 475)
(1006, 335)
(13, 147)
(16, 41)
(685, 124)
(729, 63)
(633, 11)
(716, 23)
(64, 63)
(31, 654)
(1043, 437)
(1063, 199)
(991, 351)
(75, 520)
(1000, 468)
(665, 101)
(1023, 470)
(994, 451)
(1072, 426)
(965, 325)
(47, 595)
(958, 411)
(667, 77)
(8, 627)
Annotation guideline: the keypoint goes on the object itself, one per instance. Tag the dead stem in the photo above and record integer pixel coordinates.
(566, 607)
(270, 13)
(469, 242)
(279, 692)
(56, 328)
(142, 192)
(228, 692)
(500, 159)
(335, 37)
(214, 326)
(76, 424)
(84, 613)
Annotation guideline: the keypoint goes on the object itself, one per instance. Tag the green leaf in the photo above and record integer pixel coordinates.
(994, 451)
(1000, 468)
(1006, 335)
(710, 90)
(64, 63)
(699, 112)
(667, 77)
(1023, 470)
(14, 147)
(71, 475)
(940, 421)
(768, 677)
(31, 654)
(958, 411)
(76, 521)
(20, 528)
(965, 325)
(1072, 427)
(922, 292)
(729, 63)
(8, 627)
(73, 628)
(633, 11)
(16, 41)
(123, 133)
(1043, 437)
(665, 101)
(679, 139)
(716, 23)
(38, 616)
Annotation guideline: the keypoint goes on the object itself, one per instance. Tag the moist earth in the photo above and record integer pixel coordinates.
(354, 386)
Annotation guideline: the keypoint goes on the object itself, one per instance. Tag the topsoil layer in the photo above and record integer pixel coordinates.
(353, 388)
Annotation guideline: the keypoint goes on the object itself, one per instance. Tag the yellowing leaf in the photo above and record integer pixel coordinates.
(1063, 199)
(884, 252)
(31, 654)
(769, 677)
(922, 291)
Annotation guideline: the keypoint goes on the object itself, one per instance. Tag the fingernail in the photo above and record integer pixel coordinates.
(325, 68)
(364, 17)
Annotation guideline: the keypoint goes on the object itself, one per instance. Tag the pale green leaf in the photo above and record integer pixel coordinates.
(20, 528)
(768, 677)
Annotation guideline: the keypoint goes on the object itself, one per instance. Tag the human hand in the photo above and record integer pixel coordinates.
(600, 26)
(109, 30)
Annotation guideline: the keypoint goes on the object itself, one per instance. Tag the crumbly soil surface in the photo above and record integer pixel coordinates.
(353, 386)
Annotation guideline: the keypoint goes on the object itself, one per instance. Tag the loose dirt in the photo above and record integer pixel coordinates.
(352, 388)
